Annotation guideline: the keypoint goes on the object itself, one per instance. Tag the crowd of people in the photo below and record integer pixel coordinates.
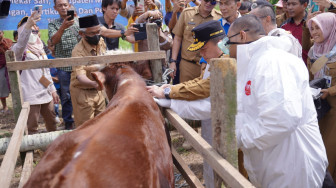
(278, 48)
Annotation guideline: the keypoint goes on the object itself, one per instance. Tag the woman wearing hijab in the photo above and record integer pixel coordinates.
(323, 31)
(37, 86)
(5, 44)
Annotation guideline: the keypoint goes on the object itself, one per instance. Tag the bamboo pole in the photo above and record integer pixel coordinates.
(32, 142)
(153, 45)
(14, 79)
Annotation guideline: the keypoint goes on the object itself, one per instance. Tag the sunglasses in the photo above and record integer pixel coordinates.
(35, 31)
(213, 2)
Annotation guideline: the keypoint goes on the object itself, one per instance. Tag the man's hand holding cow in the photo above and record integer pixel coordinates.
(156, 91)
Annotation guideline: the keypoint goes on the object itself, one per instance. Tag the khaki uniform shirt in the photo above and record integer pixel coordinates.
(195, 89)
(83, 49)
(190, 18)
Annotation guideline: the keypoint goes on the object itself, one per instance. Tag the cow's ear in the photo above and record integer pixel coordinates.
(100, 78)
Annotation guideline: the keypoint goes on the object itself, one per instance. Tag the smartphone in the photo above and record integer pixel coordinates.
(316, 7)
(71, 13)
(141, 4)
(38, 9)
(142, 34)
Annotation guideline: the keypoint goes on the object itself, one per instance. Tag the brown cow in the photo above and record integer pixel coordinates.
(124, 146)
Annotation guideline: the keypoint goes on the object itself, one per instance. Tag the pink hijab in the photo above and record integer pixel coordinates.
(327, 23)
(36, 48)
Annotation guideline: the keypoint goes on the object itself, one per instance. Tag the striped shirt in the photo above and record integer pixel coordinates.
(64, 48)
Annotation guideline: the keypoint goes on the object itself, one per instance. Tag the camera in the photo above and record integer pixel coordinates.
(157, 21)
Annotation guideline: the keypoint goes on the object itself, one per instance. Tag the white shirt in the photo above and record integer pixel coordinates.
(33, 91)
(276, 123)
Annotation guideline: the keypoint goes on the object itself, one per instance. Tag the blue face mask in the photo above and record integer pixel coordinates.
(224, 46)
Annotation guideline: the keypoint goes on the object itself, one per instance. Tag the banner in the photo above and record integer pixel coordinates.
(21, 8)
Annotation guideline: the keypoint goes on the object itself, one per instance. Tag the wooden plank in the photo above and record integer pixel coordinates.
(188, 175)
(27, 168)
(154, 45)
(9, 161)
(223, 168)
(89, 60)
(223, 110)
(14, 79)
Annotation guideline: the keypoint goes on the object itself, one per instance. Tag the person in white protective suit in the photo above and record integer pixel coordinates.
(276, 122)
(206, 36)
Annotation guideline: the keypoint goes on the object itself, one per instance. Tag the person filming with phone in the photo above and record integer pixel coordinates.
(111, 31)
(64, 35)
(37, 85)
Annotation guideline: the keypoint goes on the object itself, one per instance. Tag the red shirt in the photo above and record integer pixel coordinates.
(296, 30)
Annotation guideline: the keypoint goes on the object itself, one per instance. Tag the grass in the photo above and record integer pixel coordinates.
(44, 36)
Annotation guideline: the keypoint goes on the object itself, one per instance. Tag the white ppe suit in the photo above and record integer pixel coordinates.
(276, 123)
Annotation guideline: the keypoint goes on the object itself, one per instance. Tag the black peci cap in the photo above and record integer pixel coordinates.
(204, 32)
(88, 21)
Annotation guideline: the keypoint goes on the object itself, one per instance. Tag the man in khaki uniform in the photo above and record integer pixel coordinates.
(190, 18)
(87, 101)
(199, 88)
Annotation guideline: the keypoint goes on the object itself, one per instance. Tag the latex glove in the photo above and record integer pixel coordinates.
(163, 102)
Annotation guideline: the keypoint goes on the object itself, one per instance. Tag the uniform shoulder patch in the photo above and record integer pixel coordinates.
(248, 88)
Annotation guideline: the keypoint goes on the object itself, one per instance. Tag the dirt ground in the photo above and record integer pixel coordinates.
(191, 157)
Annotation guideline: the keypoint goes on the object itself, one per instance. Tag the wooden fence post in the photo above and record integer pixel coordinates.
(223, 110)
(14, 80)
(9, 161)
(153, 45)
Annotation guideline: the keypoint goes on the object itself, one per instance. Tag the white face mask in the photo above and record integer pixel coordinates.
(32, 38)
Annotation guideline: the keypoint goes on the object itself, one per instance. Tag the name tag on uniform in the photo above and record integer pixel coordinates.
(191, 23)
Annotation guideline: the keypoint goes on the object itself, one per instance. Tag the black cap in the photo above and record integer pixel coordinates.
(88, 21)
(204, 32)
(22, 21)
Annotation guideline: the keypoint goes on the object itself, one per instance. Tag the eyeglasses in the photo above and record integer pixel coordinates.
(213, 2)
(229, 42)
(35, 31)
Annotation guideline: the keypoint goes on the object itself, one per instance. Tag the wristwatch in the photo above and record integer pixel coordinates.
(166, 92)
(122, 32)
(172, 60)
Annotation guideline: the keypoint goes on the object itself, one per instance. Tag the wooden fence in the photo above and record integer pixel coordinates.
(223, 101)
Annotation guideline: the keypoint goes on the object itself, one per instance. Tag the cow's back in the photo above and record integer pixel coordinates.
(125, 146)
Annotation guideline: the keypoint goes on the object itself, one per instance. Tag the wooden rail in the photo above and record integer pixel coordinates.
(89, 60)
(223, 168)
(12, 153)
